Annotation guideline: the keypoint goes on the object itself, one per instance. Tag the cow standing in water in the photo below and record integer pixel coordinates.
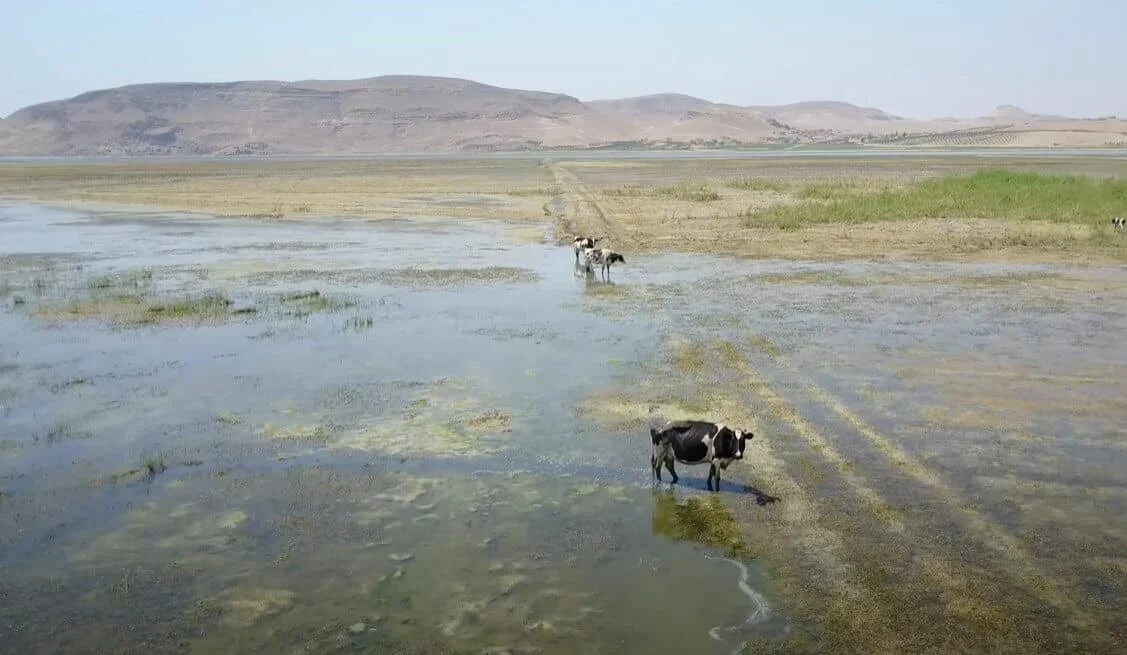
(582, 243)
(604, 257)
(697, 442)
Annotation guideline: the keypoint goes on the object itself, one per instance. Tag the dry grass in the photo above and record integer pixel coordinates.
(794, 207)
(505, 189)
(839, 208)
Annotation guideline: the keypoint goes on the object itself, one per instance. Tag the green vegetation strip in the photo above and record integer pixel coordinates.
(989, 194)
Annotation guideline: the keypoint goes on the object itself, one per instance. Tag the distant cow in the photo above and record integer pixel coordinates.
(604, 257)
(1119, 223)
(582, 243)
(697, 442)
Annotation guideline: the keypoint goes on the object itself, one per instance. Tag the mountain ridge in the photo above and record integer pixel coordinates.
(419, 113)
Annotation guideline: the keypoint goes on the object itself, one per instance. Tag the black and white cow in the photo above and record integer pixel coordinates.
(1119, 223)
(604, 257)
(582, 243)
(697, 442)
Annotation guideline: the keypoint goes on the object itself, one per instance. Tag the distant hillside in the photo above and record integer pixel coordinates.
(402, 113)
(827, 115)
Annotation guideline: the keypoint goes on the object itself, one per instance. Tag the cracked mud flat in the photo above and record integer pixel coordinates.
(401, 450)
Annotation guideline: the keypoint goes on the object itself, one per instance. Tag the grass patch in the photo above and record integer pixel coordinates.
(276, 211)
(619, 411)
(300, 296)
(689, 358)
(209, 305)
(316, 433)
(135, 309)
(308, 302)
(757, 184)
(606, 291)
(627, 191)
(489, 422)
(826, 191)
(532, 192)
(131, 278)
(688, 192)
(61, 430)
(67, 384)
(729, 353)
(153, 465)
(276, 189)
(764, 344)
(990, 194)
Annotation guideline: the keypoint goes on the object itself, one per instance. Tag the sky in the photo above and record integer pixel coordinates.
(919, 59)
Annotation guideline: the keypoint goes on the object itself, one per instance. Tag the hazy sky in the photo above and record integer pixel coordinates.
(918, 58)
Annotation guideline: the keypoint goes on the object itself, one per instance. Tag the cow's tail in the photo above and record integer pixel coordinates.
(655, 436)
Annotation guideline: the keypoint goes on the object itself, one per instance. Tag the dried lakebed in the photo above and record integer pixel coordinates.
(224, 435)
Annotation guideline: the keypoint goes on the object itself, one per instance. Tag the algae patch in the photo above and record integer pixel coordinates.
(137, 309)
(490, 422)
(317, 433)
(702, 520)
(617, 411)
(449, 419)
(304, 303)
(245, 607)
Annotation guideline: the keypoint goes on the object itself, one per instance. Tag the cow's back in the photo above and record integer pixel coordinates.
(687, 438)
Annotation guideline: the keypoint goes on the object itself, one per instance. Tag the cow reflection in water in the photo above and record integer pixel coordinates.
(701, 519)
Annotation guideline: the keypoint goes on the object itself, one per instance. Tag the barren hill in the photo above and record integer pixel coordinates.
(403, 113)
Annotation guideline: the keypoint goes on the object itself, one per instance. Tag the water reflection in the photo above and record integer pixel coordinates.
(701, 519)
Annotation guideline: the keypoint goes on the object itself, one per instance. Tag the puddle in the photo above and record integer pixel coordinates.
(430, 436)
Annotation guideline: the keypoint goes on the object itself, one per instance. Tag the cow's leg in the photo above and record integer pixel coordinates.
(717, 469)
(711, 474)
(655, 465)
(669, 465)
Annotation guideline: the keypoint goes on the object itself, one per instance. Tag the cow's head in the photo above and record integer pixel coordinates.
(742, 437)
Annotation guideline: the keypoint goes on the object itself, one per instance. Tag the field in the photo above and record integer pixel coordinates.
(1009, 208)
(316, 406)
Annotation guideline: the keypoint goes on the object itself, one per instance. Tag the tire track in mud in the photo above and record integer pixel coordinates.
(577, 196)
(943, 574)
(822, 549)
(1022, 568)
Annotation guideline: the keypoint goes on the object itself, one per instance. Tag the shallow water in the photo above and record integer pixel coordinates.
(271, 425)
(406, 464)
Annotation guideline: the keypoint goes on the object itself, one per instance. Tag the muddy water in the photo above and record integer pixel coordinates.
(385, 443)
